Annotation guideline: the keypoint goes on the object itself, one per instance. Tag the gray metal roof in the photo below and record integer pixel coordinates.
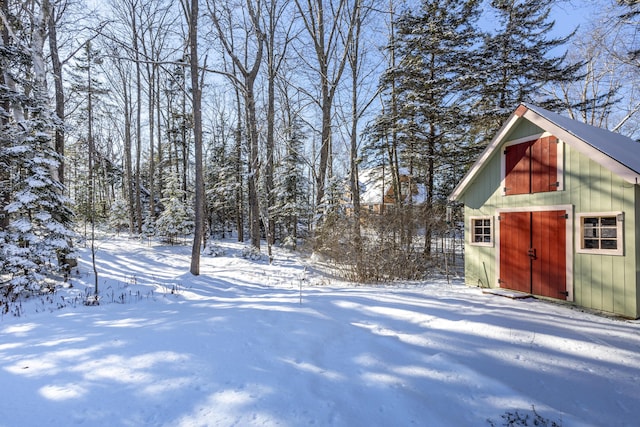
(619, 147)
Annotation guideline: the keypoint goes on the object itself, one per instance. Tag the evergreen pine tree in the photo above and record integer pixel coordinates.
(119, 216)
(427, 95)
(87, 87)
(631, 17)
(221, 189)
(290, 188)
(177, 217)
(36, 227)
(148, 225)
(518, 60)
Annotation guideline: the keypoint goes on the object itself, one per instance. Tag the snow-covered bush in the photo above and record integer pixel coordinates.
(177, 217)
(252, 253)
(519, 419)
(214, 250)
(119, 215)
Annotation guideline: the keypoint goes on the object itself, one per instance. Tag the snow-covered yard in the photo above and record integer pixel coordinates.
(242, 345)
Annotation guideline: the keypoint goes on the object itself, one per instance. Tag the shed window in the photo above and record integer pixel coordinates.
(482, 231)
(601, 233)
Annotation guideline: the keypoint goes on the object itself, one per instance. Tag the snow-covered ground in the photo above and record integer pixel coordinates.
(247, 343)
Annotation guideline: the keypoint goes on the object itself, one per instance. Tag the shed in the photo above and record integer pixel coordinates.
(551, 209)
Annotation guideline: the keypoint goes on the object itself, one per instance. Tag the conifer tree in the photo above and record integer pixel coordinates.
(427, 92)
(290, 187)
(89, 90)
(35, 230)
(119, 216)
(518, 60)
(221, 186)
(631, 17)
(177, 218)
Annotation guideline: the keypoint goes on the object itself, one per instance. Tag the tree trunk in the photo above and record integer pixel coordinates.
(138, 184)
(271, 114)
(152, 165)
(239, 180)
(128, 167)
(197, 130)
(5, 80)
(91, 183)
(254, 203)
(159, 135)
(56, 69)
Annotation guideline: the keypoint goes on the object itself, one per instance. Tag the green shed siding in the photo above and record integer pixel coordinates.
(523, 130)
(635, 287)
(601, 282)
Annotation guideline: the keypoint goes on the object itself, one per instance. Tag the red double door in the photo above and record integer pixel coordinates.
(533, 252)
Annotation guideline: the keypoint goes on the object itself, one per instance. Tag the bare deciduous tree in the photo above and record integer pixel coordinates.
(191, 11)
(248, 66)
(329, 25)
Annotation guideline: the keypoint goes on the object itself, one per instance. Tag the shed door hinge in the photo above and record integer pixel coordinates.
(555, 184)
(565, 293)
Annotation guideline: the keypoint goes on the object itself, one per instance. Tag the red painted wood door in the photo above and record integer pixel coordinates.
(533, 252)
(531, 167)
(515, 264)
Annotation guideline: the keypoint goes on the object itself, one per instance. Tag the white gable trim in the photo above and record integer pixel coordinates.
(482, 160)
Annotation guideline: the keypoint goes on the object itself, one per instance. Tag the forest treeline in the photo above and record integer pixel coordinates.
(257, 119)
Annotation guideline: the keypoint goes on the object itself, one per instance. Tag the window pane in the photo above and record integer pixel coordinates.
(593, 221)
(608, 221)
(610, 233)
(609, 244)
(487, 239)
(591, 244)
(590, 232)
(487, 222)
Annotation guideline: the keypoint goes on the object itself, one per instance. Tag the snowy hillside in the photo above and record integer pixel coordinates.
(247, 343)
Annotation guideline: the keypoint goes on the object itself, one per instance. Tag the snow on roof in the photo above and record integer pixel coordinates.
(375, 182)
(616, 146)
(616, 152)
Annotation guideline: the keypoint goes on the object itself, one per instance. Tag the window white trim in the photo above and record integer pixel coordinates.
(560, 165)
(481, 231)
(593, 233)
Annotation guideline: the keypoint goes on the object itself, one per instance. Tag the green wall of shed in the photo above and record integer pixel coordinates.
(601, 282)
